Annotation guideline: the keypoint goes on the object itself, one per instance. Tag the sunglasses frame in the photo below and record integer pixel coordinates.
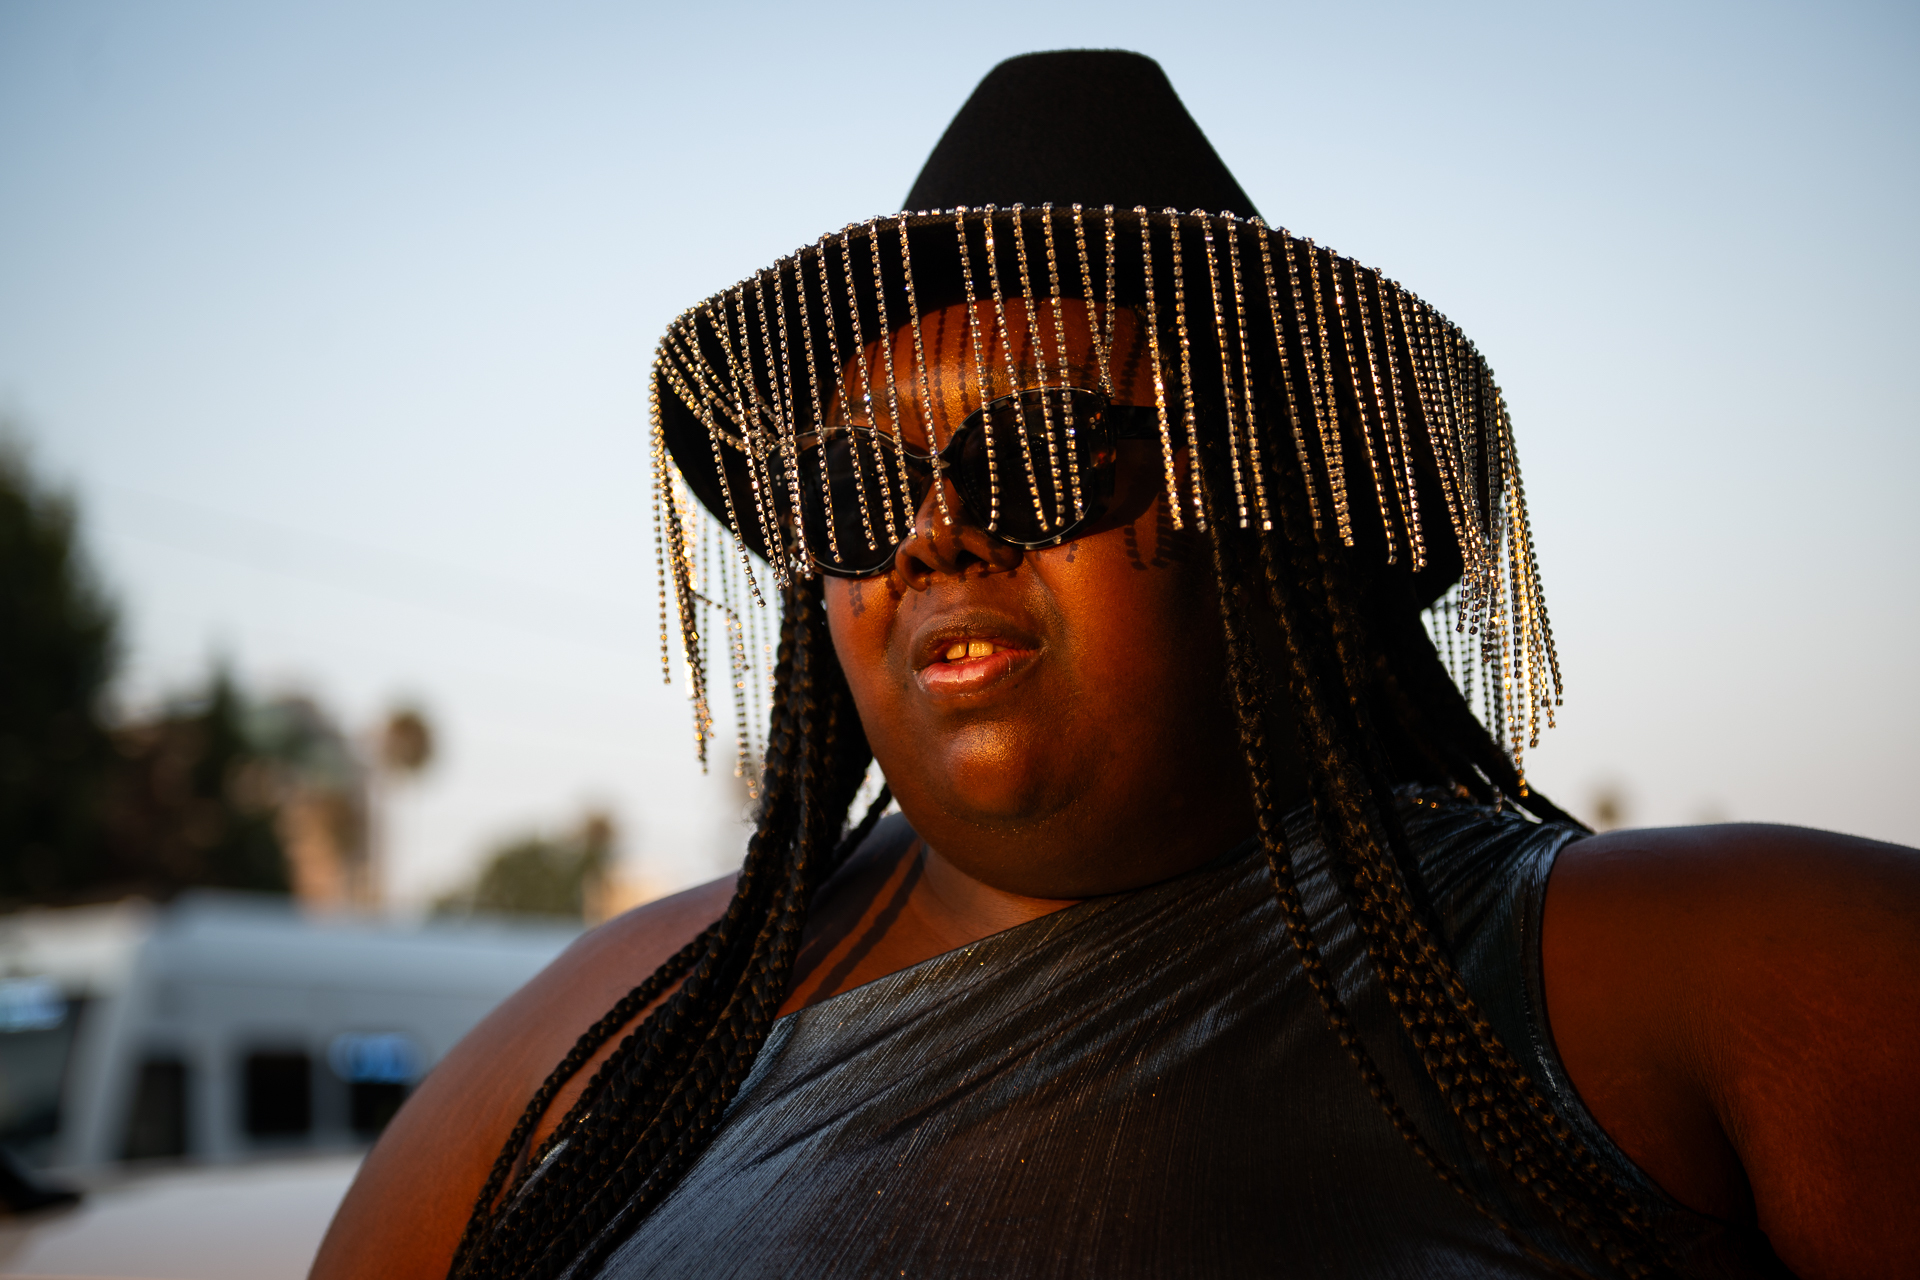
(1126, 421)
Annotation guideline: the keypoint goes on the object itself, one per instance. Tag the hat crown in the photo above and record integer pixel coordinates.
(1086, 126)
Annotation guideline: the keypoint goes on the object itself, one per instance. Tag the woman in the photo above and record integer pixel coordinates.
(1215, 934)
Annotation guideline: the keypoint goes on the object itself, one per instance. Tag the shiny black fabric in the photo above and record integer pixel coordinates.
(1144, 1086)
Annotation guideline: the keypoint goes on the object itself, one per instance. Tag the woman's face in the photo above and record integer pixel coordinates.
(1054, 723)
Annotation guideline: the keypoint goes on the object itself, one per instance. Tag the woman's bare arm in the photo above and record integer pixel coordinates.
(405, 1211)
(1739, 1007)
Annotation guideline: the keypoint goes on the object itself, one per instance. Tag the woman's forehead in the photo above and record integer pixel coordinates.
(954, 359)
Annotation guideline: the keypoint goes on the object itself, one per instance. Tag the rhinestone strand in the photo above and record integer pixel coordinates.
(1087, 294)
(1226, 365)
(803, 558)
(759, 446)
(979, 361)
(726, 485)
(920, 368)
(813, 381)
(1040, 359)
(1526, 644)
(1543, 647)
(1246, 373)
(1381, 287)
(1447, 366)
(777, 551)
(1113, 285)
(658, 444)
(1326, 408)
(750, 417)
(1286, 369)
(758, 696)
(1194, 469)
(893, 387)
(1013, 373)
(1360, 402)
(696, 652)
(1364, 318)
(1066, 375)
(687, 364)
(737, 668)
(1493, 633)
(1487, 453)
(1091, 298)
(866, 400)
(1159, 368)
(1467, 511)
(853, 440)
(1439, 443)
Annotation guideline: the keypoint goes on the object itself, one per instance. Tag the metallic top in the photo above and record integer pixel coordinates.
(1144, 1085)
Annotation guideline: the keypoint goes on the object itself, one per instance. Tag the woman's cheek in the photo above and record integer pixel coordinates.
(858, 612)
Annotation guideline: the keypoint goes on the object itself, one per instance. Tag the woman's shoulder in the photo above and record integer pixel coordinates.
(1739, 1008)
(406, 1209)
(1734, 901)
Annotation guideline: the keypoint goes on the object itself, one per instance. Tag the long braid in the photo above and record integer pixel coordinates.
(1333, 668)
(777, 790)
(1248, 684)
(589, 1135)
(653, 1105)
(1475, 1072)
(857, 835)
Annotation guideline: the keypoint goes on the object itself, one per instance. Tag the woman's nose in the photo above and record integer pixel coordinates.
(946, 544)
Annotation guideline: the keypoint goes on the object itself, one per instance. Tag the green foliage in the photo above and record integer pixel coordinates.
(92, 812)
(539, 875)
(195, 801)
(56, 656)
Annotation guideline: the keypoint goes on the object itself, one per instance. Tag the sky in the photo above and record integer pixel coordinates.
(336, 320)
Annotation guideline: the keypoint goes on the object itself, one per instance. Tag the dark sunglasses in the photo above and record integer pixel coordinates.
(1032, 469)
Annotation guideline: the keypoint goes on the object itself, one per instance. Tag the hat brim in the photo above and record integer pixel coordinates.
(1393, 412)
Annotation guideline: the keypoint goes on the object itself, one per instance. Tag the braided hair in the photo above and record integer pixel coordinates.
(1373, 706)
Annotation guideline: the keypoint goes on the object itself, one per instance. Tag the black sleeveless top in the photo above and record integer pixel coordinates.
(1145, 1085)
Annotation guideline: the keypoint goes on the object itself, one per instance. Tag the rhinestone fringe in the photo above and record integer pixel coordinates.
(1361, 364)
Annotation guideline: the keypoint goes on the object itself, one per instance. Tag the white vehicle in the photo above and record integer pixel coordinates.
(226, 1027)
(207, 1072)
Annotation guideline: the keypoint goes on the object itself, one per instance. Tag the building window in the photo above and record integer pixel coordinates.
(279, 1094)
(371, 1103)
(157, 1122)
(379, 1070)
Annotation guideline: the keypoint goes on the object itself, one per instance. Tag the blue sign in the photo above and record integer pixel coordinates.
(385, 1058)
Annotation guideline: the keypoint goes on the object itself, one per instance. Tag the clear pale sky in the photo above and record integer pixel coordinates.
(336, 319)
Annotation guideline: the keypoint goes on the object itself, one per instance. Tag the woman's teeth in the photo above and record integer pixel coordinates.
(960, 650)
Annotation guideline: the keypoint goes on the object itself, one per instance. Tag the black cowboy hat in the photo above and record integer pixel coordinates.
(1093, 126)
(1095, 144)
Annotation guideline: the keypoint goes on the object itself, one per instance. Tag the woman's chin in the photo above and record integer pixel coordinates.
(993, 779)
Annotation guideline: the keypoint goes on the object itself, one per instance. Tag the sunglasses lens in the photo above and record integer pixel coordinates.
(850, 485)
(1028, 466)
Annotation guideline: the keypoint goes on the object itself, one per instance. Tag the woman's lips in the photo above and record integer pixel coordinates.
(969, 665)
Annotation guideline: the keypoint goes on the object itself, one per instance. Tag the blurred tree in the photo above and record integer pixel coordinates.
(540, 875)
(190, 796)
(56, 656)
(195, 801)
(319, 782)
(1612, 806)
(402, 749)
(406, 742)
